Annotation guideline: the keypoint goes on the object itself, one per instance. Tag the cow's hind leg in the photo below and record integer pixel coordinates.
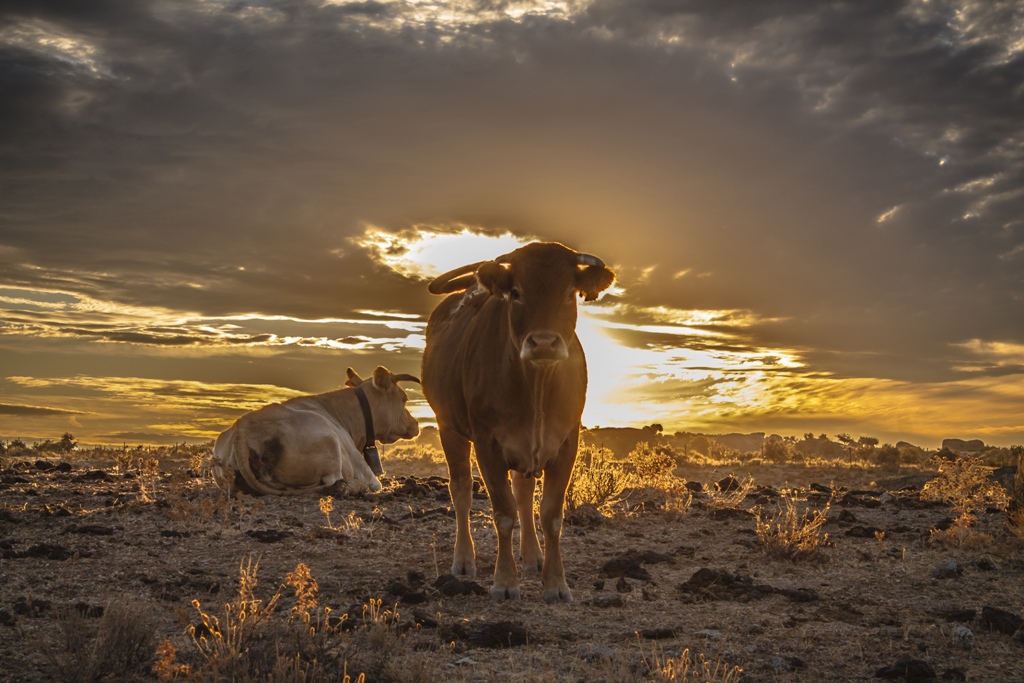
(529, 546)
(460, 486)
(503, 506)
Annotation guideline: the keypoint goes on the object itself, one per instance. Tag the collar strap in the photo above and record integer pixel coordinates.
(371, 439)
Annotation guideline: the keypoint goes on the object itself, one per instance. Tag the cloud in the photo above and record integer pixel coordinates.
(840, 180)
(8, 409)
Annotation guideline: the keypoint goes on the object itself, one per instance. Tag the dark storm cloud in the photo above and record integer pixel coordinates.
(219, 158)
(31, 411)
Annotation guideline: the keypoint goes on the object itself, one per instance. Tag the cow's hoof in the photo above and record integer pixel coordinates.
(558, 594)
(465, 568)
(509, 593)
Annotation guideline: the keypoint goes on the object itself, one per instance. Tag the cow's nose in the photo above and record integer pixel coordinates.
(544, 346)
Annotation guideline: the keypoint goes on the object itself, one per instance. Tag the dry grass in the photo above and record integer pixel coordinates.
(965, 486)
(121, 642)
(791, 535)
(692, 668)
(596, 480)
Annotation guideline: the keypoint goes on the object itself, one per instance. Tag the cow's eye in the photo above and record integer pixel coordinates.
(515, 294)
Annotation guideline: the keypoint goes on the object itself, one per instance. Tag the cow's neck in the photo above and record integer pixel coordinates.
(344, 407)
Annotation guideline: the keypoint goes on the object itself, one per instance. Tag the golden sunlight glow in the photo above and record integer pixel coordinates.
(427, 251)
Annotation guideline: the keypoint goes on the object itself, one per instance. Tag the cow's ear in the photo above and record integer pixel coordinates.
(353, 380)
(593, 280)
(495, 278)
(382, 378)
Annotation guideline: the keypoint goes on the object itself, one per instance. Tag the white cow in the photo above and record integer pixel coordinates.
(310, 443)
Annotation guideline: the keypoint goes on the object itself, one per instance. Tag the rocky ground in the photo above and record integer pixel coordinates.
(101, 567)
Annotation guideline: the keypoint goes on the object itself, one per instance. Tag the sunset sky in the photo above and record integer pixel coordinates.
(815, 209)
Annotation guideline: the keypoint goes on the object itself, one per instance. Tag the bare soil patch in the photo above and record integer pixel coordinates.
(79, 539)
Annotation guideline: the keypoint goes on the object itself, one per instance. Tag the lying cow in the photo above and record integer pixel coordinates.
(310, 443)
(504, 370)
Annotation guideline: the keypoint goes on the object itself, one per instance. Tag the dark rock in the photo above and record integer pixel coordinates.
(729, 513)
(43, 466)
(625, 566)
(953, 676)
(798, 594)
(909, 670)
(863, 532)
(268, 535)
(413, 598)
(63, 467)
(623, 586)
(728, 484)
(605, 600)
(1000, 620)
(985, 565)
(397, 588)
(820, 488)
(94, 475)
(657, 633)
(847, 517)
(46, 551)
(91, 529)
(451, 586)
(414, 577)
(586, 515)
(6, 618)
(694, 486)
(498, 634)
(781, 665)
(424, 620)
(171, 533)
(956, 614)
(31, 607)
(950, 569)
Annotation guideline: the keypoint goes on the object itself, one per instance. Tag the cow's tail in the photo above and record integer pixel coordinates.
(239, 474)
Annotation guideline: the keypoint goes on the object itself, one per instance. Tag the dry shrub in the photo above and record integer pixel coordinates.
(121, 642)
(652, 463)
(256, 640)
(226, 642)
(596, 479)
(964, 485)
(692, 668)
(1015, 507)
(414, 460)
(790, 535)
(721, 498)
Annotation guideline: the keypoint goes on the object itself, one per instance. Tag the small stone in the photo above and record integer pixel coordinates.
(605, 600)
(596, 652)
(963, 636)
(950, 569)
(708, 634)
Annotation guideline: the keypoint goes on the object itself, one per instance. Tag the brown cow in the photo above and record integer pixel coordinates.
(310, 444)
(503, 369)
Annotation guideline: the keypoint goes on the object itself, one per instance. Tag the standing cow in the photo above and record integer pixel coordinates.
(503, 369)
(310, 443)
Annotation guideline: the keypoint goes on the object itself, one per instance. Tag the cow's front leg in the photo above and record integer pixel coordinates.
(556, 480)
(460, 486)
(503, 505)
(529, 545)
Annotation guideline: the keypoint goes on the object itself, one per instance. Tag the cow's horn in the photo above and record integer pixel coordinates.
(452, 281)
(589, 260)
(406, 378)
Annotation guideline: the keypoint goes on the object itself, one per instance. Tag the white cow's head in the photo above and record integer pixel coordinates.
(391, 420)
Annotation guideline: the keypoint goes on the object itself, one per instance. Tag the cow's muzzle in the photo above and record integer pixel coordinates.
(544, 347)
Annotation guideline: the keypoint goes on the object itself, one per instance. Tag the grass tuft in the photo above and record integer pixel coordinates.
(790, 535)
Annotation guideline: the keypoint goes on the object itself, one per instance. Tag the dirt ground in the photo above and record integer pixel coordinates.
(81, 540)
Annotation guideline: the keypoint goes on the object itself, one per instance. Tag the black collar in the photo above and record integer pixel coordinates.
(371, 439)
